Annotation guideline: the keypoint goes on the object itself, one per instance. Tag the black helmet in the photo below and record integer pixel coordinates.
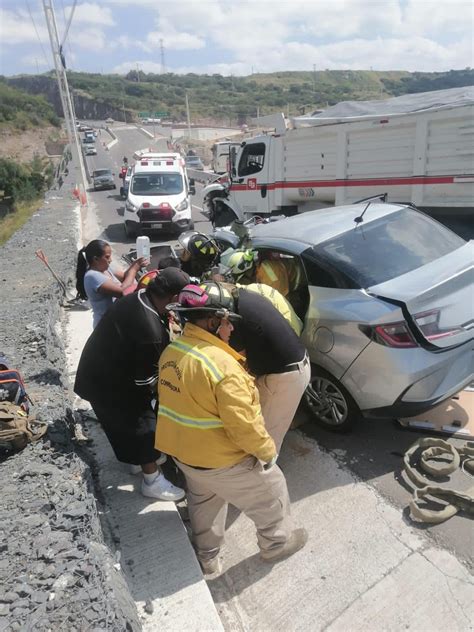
(201, 247)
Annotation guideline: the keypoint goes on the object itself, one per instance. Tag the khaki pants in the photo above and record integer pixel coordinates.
(260, 494)
(280, 394)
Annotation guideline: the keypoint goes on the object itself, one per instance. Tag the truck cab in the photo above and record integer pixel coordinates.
(158, 196)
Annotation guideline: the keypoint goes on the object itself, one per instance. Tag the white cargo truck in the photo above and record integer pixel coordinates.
(417, 148)
(221, 154)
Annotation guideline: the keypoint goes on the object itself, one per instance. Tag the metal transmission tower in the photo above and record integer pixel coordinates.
(68, 108)
(162, 53)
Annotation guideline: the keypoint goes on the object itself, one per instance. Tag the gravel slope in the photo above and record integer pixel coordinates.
(56, 572)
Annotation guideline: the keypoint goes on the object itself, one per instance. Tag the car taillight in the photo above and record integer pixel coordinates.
(395, 335)
(146, 205)
(428, 323)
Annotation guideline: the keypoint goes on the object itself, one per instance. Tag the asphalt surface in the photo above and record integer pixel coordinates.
(373, 451)
(110, 206)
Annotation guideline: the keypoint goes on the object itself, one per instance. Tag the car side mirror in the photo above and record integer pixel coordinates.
(192, 182)
(192, 190)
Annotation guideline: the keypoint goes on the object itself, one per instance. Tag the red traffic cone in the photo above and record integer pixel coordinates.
(75, 192)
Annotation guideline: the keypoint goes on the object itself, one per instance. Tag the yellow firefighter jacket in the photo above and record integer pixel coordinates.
(279, 302)
(209, 412)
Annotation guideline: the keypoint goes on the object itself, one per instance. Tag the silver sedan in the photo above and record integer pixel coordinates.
(387, 299)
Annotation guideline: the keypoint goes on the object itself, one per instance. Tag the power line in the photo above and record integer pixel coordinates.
(37, 34)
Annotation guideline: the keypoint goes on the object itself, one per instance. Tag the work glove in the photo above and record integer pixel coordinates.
(271, 463)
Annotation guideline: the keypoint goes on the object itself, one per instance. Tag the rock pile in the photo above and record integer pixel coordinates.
(56, 573)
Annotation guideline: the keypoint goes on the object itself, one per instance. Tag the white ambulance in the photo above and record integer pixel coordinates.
(158, 195)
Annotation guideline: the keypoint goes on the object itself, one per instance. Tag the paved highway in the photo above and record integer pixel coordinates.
(109, 205)
(373, 452)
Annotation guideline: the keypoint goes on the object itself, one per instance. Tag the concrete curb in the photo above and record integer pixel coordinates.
(156, 556)
(145, 131)
(114, 140)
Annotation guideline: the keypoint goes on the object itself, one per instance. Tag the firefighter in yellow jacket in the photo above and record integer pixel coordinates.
(210, 422)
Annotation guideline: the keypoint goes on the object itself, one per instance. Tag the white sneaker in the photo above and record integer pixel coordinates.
(162, 489)
(137, 469)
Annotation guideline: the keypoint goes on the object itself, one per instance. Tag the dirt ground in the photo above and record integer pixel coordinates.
(23, 146)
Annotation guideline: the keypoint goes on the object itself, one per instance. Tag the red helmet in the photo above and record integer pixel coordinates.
(145, 280)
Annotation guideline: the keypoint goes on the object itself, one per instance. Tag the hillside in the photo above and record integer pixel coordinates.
(235, 99)
(232, 100)
(20, 111)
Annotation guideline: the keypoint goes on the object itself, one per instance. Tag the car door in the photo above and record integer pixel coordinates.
(251, 177)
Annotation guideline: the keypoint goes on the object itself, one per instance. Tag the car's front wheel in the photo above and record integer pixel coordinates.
(330, 403)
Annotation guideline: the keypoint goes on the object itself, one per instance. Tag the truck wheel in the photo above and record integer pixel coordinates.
(331, 405)
(222, 215)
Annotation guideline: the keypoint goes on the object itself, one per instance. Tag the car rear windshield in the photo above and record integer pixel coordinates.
(381, 250)
(157, 184)
(102, 172)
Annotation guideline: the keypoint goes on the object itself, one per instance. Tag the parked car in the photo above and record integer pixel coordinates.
(90, 150)
(194, 162)
(388, 322)
(103, 179)
(109, 121)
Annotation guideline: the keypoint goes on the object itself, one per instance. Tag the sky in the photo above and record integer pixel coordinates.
(241, 37)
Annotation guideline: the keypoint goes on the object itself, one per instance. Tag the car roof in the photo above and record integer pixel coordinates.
(314, 227)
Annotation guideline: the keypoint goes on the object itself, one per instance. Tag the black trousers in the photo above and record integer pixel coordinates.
(130, 431)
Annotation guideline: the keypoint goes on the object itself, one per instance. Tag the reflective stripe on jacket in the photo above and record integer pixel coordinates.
(279, 302)
(209, 413)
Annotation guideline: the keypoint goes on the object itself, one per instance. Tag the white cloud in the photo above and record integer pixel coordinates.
(17, 28)
(172, 40)
(90, 13)
(435, 17)
(90, 39)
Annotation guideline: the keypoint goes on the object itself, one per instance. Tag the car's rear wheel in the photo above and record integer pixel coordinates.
(330, 403)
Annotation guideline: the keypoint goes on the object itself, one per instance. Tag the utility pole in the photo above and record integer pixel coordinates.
(138, 73)
(162, 53)
(124, 113)
(314, 77)
(188, 116)
(66, 100)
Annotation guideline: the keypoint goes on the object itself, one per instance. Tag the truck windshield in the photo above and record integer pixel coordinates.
(157, 184)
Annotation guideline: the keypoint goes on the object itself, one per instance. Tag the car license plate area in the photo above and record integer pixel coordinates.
(156, 226)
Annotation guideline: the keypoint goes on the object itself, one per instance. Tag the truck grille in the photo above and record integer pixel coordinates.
(155, 214)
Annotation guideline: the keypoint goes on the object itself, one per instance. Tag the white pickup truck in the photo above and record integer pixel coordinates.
(417, 148)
